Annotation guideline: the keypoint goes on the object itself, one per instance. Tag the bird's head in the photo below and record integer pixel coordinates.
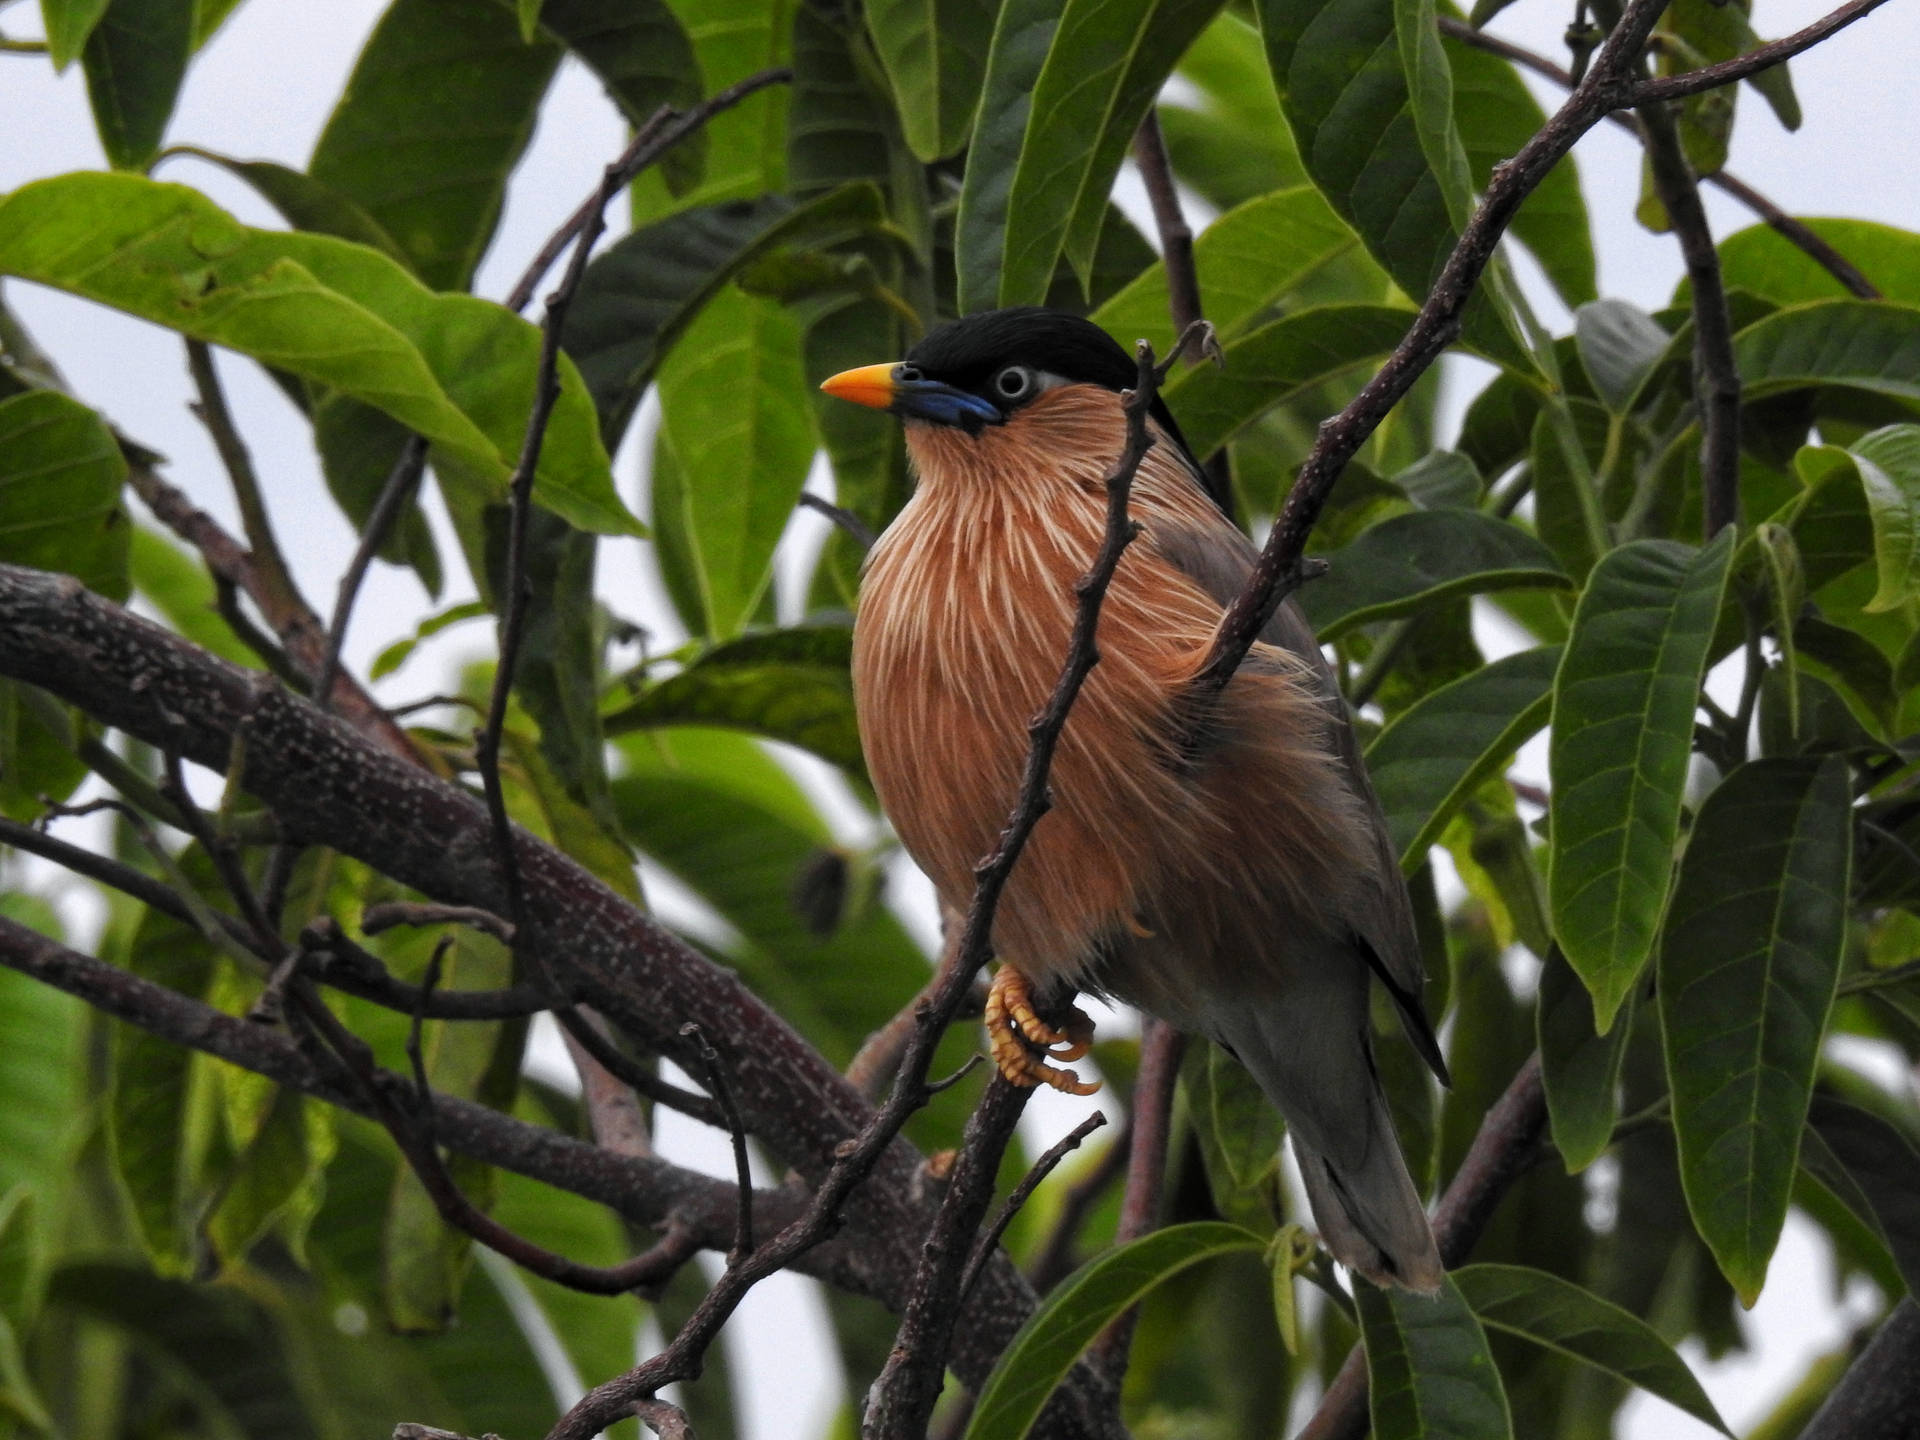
(1003, 376)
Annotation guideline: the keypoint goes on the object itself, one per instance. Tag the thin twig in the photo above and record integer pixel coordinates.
(990, 1237)
(1716, 376)
(1055, 1260)
(722, 1093)
(1764, 57)
(664, 129)
(629, 1073)
(394, 913)
(856, 529)
(1794, 231)
(387, 510)
(212, 411)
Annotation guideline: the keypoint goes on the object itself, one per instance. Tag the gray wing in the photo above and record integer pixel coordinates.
(1219, 559)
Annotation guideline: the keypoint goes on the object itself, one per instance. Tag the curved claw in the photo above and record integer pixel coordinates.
(1013, 1027)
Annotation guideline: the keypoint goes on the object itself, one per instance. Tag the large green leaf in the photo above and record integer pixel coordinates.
(1430, 1374)
(1417, 559)
(792, 685)
(1271, 365)
(1382, 152)
(1875, 1169)
(1749, 958)
(1247, 260)
(304, 202)
(135, 59)
(42, 1070)
(1888, 463)
(1623, 708)
(1436, 753)
(455, 369)
(68, 23)
(1862, 344)
(1235, 146)
(1066, 87)
(60, 478)
(1067, 1321)
(640, 294)
(1764, 261)
(1579, 1069)
(734, 406)
(640, 52)
(436, 114)
(721, 814)
(935, 53)
(1619, 346)
(1560, 1315)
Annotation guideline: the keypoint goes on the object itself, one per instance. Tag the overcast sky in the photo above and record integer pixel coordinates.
(263, 89)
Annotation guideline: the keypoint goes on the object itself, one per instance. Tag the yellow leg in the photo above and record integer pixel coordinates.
(1015, 1032)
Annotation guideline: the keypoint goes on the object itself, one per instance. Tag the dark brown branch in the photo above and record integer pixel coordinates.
(669, 1422)
(1794, 231)
(614, 1114)
(1056, 1258)
(212, 411)
(857, 530)
(664, 129)
(1764, 57)
(1608, 86)
(394, 913)
(1716, 376)
(609, 1057)
(1042, 1168)
(722, 1093)
(1504, 1149)
(328, 786)
(1879, 1395)
(387, 509)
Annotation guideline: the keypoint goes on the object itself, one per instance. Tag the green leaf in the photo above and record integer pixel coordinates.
(306, 203)
(42, 1071)
(1275, 363)
(1888, 461)
(1239, 1133)
(1442, 479)
(1619, 345)
(135, 59)
(1787, 591)
(208, 17)
(1430, 1374)
(734, 407)
(1436, 753)
(455, 369)
(792, 685)
(60, 478)
(1579, 1069)
(68, 24)
(639, 295)
(397, 654)
(1562, 1316)
(1235, 146)
(558, 676)
(716, 810)
(639, 50)
(1370, 143)
(1496, 115)
(1067, 1321)
(277, 1179)
(527, 12)
(935, 54)
(1417, 559)
(1623, 708)
(1066, 87)
(1762, 260)
(19, 1258)
(359, 448)
(439, 107)
(1873, 1167)
(1863, 344)
(1247, 260)
(1749, 958)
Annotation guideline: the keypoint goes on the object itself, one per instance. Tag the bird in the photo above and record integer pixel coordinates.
(1235, 879)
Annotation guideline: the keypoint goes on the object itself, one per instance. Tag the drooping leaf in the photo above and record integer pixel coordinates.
(1749, 957)
(1579, 1069)
(277, 1179)
(1430, 1374)
(735, 409)
(1619, 344)
(1560, 1315)
(1065, 89)
(1566, 511)
(1762, 260)
(135, 58)
(209, 16)
(304, 202)
(440, 106)
(42, 1033)
(1440, 750)
(640, 294)
(1865, 345)
(1622, 731)
(1239, 1133)
(1419, 559)
(1272, 364)
(1246, 261)
(1888, 462)
(1066, 1322)
(60, 478)
(935, 54)
(1878, 1175)
(792, 685)
(455, 369)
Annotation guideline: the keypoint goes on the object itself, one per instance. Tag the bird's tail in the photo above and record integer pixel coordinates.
(1369, 1214)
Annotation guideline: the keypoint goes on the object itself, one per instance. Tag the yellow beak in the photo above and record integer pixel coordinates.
(870, 385)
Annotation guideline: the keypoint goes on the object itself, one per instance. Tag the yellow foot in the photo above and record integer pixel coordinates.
(1015, 1032)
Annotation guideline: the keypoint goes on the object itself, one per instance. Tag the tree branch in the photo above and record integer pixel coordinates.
(1041, 1168)
(1880, 1393)
(1765, 57)
(1794, 231)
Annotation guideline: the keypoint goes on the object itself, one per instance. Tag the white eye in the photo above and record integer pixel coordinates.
(1015, 382)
